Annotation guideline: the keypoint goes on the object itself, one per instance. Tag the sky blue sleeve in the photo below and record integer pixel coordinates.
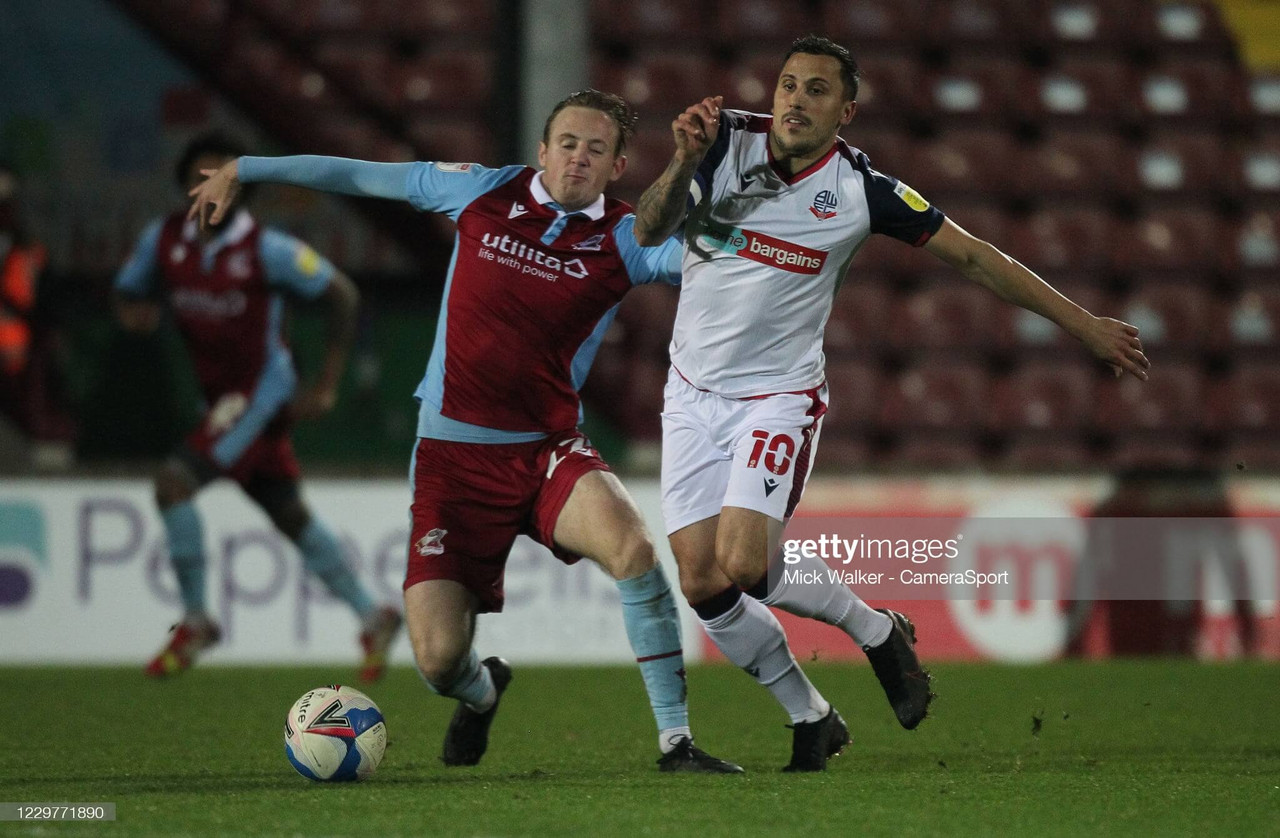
(450, 187)
(660, 263)
(331, 174)
(135, 276)
(294, 265)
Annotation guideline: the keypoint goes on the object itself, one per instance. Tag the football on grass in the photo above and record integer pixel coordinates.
(335, 734)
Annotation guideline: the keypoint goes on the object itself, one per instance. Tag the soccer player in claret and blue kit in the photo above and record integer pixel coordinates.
(774, 208)
(541, 260)
(226, 286)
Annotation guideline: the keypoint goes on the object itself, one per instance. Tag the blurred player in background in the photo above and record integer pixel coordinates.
(776, 207)
(21, 262)
(541, 261)
(226, 286)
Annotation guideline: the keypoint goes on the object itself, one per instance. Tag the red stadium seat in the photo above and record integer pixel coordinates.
(840, 453)
(950, 315)
(1170, 400)
(1251, 453)
(1033, 333)
(763, 22)
(1202, 92)
(926, 453)
(984, 220)
(657, 84)
(963, 162)
(854, 400)
(1054, 452)
(1256, 169)
(645, 319)
(459, 80)
(1181, 165)
(314, 17)
(1254, 319)
(974, 23)
(1082, 26)
(1080, 93)
(890, 89)
(1249, 400)
(940, 395)
(861, 24)
(1184, 28)
(658, 21)
(362, 66)
(1044, 396)
(749, 82)
(1257, 246)
(976, 89)
(1262, 102)
(1076, 164)
(859, 316)
(1148, 451)
(648, 154)
(442, 19)
(452, 140)
(1055, 240)
(1172, 241)
(885, 146)
(1175, 315)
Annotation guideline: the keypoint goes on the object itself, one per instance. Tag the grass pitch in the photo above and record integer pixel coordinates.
(1140, 748)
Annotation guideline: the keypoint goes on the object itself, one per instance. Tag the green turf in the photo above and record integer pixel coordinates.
(1139, 748)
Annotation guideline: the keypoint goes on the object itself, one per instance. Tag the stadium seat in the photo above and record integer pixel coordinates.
(644, 398)
(854, 399)
(1076, 164)
(1044, 396)
(927, 452)
(985, 219)
(949, 315)
(362, 67)
(1180, 316)
(645, 317)
(1184, 241)
(1189, 92)
(974, 89)
(1047, 452)
(776, 22)
(1081, 27)
(890, 90)
(974, 24)
(1257, 170)
(446, 20)
(1079, 93)
(1247, 401)
(1171, 399)
(964, 161)
(1181, 165)
(860, 316)
(887, 147)
(875, 23)
(648, 153)
(456, 79)
(1184, 28)
(1262, 102)
(1256, 253)
(1155, 450)
(309, 18)
(1254, 320)
(643, 24)
(1074, 239)
(839, 453)
(1034, 334)
(658, 85)
(749, 81)
(452, 140)
(938, 394)
(1251, 453)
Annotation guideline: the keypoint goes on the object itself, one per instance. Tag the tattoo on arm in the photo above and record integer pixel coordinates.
(662, 206)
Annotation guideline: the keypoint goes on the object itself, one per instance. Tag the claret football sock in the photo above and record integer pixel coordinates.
(322, 555)
(752, 638)
(473, 686)
(819, 597)
(186, 553)
(653, 627)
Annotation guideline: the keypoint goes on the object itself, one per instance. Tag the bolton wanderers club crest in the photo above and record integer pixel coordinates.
(824, 205)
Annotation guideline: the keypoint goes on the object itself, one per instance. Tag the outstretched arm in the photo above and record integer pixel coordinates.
(1110, 340)
(212, 198)
(662, 206)
(343, 302)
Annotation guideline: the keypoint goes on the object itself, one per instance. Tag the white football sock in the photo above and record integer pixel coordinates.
(668, 738)
(753, 639)
(829, 601)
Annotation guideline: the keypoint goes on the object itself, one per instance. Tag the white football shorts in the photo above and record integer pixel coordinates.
(752, 453)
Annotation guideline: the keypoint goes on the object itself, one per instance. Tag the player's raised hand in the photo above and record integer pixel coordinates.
(695, 129)
(215, 195)
(1117, 343)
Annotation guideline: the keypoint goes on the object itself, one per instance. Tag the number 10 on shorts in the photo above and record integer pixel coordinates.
(778, 451)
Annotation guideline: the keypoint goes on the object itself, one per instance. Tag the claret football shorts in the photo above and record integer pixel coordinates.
(752, 453)
(470, 501)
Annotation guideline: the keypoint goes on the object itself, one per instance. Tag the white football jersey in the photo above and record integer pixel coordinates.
(764, 254)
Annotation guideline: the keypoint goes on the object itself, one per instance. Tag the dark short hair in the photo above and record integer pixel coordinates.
(211, 143)
(609, 104)
(818, 45)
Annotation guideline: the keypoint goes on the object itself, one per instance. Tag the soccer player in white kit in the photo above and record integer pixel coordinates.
(775, 207)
